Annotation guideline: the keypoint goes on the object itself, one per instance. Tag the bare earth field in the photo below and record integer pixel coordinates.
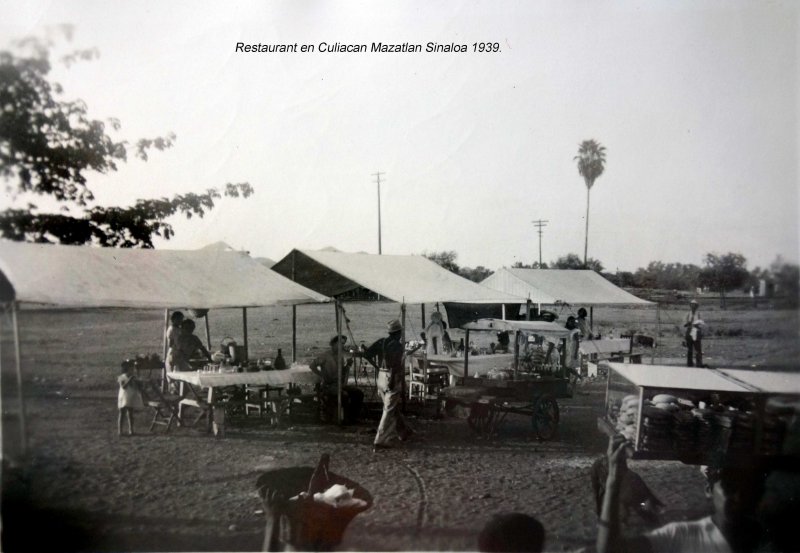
(86, 489)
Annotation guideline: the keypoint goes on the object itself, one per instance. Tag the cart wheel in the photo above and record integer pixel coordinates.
(545, 417)
(481, 416)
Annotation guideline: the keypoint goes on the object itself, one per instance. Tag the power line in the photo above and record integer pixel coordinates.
(378, 180)
(540, 224)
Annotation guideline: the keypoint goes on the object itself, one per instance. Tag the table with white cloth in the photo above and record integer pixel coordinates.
(193, 383)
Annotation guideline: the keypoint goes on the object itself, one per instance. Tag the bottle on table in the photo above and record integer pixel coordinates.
(279, 363)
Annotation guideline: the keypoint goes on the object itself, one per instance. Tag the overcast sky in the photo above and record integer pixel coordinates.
(695, 102)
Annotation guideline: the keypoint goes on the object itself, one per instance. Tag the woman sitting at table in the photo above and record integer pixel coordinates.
(187, 347)
(326, 367)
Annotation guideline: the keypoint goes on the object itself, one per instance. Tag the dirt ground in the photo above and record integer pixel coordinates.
(89, 490)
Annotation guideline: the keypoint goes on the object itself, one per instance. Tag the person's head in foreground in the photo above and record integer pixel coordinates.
(571, 322)
(693, 305)
(187, 326)
(734, 492)
(582, 313)
(512, 533)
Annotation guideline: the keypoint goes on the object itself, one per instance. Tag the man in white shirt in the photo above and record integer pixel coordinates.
(693, 335)
(732, 528)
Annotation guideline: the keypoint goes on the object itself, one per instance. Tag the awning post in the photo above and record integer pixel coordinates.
(244, 330)
(403, 345)
(23, 436)
(528, 309)
(466, 355)
(339, 418)
(166, 351)
(208, 332)
(422, 306)
(294, 311)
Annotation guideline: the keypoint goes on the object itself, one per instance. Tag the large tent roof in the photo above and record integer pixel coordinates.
(550, 286)
(402, 278)
(81, 276)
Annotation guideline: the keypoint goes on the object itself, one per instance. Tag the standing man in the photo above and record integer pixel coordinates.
(387, 355)
(693, 328)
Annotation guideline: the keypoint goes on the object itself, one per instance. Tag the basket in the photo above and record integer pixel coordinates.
(315, 526)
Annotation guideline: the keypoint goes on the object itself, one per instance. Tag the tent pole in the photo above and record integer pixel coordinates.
(208, 332)
(422, 306)
(658, 334)
(403, 344)
(466, 355)
(591, 317)
(516, 353)
(294, 333)
(166, 350)
(339, 362)
(528, 309)
(503, 311)
(23, 434)
(294, 312)
(244, 330)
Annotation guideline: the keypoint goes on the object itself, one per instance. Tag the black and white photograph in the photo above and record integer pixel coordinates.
(400, 275)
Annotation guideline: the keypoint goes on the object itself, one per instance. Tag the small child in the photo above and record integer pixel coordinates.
(130, 397)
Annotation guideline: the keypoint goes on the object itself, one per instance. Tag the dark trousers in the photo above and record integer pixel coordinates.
(697, 346)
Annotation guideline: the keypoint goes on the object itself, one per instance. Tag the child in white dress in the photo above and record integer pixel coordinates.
(129, 398)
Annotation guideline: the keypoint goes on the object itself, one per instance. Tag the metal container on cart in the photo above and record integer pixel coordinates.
(700, 416)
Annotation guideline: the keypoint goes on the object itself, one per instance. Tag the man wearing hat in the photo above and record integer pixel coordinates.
(387, 355)
(693, 328)
(326, 366)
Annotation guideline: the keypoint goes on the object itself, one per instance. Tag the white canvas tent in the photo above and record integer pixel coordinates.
(80, 276)
(552, 286)
(401, 278)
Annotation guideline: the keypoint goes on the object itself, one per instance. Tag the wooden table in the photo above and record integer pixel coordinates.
(193, 383)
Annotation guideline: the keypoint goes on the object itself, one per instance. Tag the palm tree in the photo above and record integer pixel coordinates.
(591, 160)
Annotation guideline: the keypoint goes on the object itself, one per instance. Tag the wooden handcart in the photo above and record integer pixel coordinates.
(529, 389)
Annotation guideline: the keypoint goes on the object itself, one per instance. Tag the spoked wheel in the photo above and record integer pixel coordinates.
(545, 417)
(481, 418)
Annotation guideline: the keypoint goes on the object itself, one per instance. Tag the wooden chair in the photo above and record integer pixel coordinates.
(163, 405)
(266, 401)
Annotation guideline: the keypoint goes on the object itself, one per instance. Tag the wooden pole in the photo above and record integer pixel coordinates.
(528, 309)
(591, 318)
(422, 305)
(208, 332)
(294, 312)
(658, 335)
(339, 418)
(244, 329)
(403, 345)
(466, 355)
(23, 436)
(166, 350)
(516, 352)
(503, 308)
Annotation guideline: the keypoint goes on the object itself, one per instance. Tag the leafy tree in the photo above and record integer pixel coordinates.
(446, 259)
(723, 273)
(477, 274)
(787, 281)
(49, 145)
(591, 160)
(534, 265)
(572, 261)
(670, 276)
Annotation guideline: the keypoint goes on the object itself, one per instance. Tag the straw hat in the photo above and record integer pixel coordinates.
(394, 326)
